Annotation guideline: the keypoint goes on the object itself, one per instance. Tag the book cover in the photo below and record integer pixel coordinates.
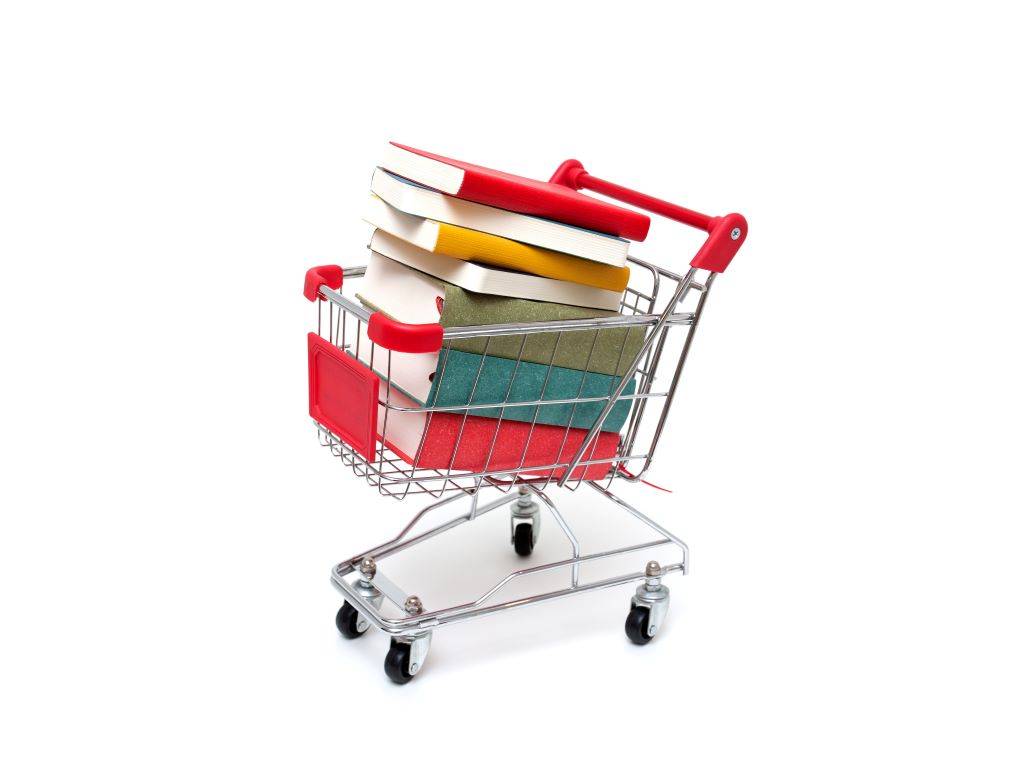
(476, 246)
(515, 193)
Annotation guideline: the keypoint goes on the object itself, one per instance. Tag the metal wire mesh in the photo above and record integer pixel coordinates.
(665, 305)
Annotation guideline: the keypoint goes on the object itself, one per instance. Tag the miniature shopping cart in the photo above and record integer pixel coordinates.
(358, 410)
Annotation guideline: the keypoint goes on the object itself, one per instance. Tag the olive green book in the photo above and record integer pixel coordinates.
(416, 298)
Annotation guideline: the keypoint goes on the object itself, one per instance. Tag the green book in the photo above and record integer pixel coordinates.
(610, 351)
(560, 367)
(410, 296)
(462, 378)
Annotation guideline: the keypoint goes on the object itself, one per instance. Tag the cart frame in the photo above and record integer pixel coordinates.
(366, 589)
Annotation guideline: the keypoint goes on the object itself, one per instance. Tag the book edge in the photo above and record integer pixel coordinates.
(466, 273)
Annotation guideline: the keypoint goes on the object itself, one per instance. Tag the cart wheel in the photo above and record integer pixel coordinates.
(350, 623)
(523, 539)
(396, 663)
(637, 623)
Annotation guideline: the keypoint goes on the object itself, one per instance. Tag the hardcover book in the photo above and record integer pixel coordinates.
(417, 200)
(456, 378)
(514, 193)
(407, 295)
(450, 441)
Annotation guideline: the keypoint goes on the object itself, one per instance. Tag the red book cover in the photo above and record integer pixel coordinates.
(478, 448)
(526, 195)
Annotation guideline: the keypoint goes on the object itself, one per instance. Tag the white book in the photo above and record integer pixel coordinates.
(412, 229)
(410, 297)
(489, 280)
(430, 204)
(401, 292)
(403, 431)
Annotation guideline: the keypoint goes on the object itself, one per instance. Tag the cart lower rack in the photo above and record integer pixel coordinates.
(482, 438)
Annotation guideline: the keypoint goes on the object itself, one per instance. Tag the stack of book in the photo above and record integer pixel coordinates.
(457, 244)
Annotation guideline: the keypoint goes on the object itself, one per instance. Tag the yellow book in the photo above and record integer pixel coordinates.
(482, 247)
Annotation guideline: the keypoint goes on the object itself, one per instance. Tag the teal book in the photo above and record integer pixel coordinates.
(462, 378)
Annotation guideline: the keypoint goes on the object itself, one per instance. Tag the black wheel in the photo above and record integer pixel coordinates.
(396, 663)
(637, 623)
(523, 539)
(348, 622)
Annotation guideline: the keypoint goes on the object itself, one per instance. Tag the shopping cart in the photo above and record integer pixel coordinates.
(359, 411)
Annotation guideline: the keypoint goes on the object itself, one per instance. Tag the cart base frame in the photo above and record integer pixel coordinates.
(365, 588)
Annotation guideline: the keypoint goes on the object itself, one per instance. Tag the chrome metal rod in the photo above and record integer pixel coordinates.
(567, 325)
(646, 520)
(396, 544)
(575, 576)
(351, 307)
(516, 404)
(429, 621)
(575, 562)
(681, 290)
(676, 375)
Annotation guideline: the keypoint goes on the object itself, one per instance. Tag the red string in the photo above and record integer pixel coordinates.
(622, 467)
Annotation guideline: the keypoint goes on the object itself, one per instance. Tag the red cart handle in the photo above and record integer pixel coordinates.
(399, 336)
(391, 334)
(330, 276)
(725, 233)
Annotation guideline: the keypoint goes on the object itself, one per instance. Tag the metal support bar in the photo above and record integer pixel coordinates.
(677, 297)
(565, 528)
(416, 622)
(395, 544)
(649, 522)
(406, 626)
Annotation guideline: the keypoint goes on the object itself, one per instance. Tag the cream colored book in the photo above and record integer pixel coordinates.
(476, 246)
(489, 280)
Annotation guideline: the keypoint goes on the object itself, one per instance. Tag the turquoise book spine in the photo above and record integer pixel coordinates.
(463, 378)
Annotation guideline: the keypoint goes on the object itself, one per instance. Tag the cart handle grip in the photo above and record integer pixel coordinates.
(330, 276)
(725, 233)
(385, 332)
(399, 336)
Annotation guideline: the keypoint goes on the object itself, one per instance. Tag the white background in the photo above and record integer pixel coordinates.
(846, 456)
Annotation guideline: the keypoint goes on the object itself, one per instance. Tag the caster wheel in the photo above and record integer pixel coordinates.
(523, 539)
(637, 623)
(396, 663)
(350, 623)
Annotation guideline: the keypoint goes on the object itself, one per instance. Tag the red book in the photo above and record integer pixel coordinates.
(344, 395)
(482, 443)
(514, 193)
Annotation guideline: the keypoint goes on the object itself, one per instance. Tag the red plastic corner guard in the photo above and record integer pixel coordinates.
(410, 338)
(322, 275)
(725, 233)
(343, 395)
(568, 174)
